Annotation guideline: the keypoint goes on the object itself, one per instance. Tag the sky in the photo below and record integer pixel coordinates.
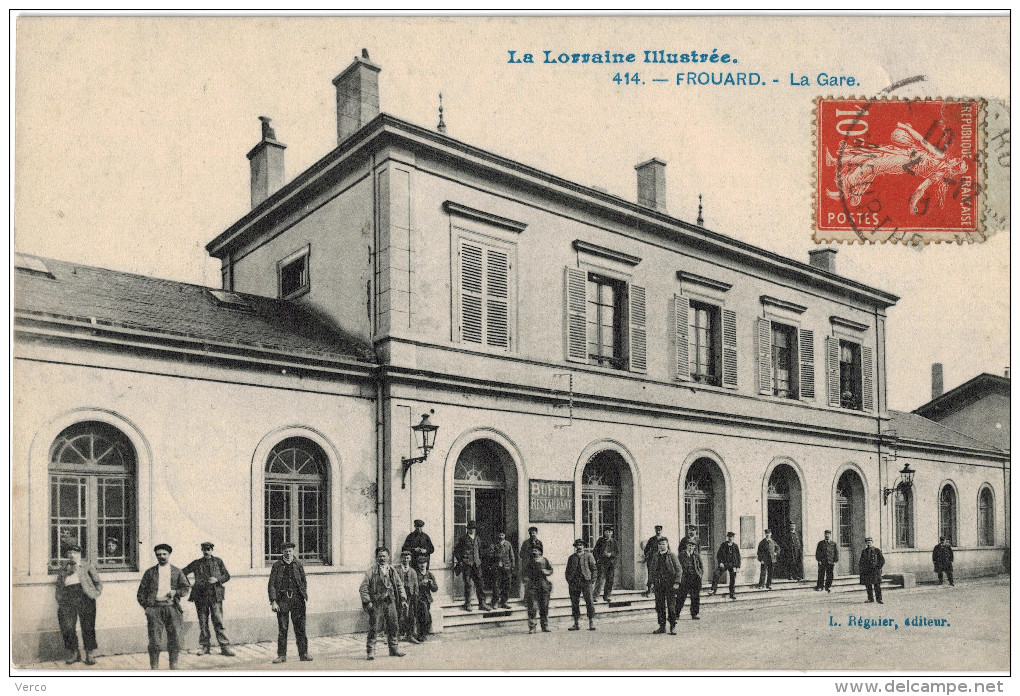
(131, 134)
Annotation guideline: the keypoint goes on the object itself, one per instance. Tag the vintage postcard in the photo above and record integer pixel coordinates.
(670, 344)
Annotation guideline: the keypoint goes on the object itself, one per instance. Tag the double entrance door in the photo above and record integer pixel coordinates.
(600, 510)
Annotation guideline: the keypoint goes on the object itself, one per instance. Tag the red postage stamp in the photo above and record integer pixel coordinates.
(892, 170)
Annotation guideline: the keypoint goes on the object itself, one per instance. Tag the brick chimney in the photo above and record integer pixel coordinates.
(651, 184)
(824, 259)
(357, 96)
(936, 380)
(267, 175)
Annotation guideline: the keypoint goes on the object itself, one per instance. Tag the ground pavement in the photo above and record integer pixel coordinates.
(812, 632)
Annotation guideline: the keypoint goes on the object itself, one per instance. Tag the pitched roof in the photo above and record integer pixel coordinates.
(72, 291)
(967, 393)
(910, 426)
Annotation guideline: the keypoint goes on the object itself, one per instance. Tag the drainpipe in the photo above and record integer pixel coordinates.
(878, 423)
(380, 406)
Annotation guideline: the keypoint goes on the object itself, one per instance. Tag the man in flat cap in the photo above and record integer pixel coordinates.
(827, 555)
(870, 568)
(160, 594)
(384, 598)
(728, 558)
(288, 594)
(504, 563)
(605, 552)
(78, 586)
(207, 593)
(535, 573)
(409, 577)
(581, 571)
(467, 559)
(942, 559)
(651, 548)
(419, 544)
(532, 542)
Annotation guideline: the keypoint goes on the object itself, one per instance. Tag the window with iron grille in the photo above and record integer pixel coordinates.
(784, 361)
(295, 496)
(850, 388)
(605, 321)
(986, 518)
(904, 519)
(92, 473)
(947, 514)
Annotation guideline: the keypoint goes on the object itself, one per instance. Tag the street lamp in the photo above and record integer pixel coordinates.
(905, 483)
(425, 439)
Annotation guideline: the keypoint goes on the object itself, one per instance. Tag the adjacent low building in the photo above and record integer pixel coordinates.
(591, 362)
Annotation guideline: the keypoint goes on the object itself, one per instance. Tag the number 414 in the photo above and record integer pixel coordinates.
(627, 79)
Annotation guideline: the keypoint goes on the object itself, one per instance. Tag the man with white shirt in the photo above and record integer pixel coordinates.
(159, 593)
(78, 586)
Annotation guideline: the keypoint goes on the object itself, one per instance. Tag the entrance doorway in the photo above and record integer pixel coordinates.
(484, 490)
(704, 495)
(607, 494)
(783, 497)
(849, 521)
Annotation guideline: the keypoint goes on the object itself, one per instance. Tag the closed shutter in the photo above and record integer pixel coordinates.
(832, 369)
(638, 331)
(867, 380)
(681, 309)
(497, 329)
(471, 293)
(764, 356)
(806, 343)
(729, 344)
(576, 286)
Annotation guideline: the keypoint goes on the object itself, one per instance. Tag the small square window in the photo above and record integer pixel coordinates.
(293, 275)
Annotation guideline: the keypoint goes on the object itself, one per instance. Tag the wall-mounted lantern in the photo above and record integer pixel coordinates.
(425, 439)
(904, 485)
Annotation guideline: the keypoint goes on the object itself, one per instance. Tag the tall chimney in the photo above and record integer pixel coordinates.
(823, 259)
(651, 184)
(936, 380)
(267, 175)
(357, 96)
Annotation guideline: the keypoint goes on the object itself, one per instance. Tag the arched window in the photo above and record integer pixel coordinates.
(986, 518)
(904, 518)
(947, 514)
(296, 501)
(92, 473)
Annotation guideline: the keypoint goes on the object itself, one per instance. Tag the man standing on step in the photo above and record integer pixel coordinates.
(768, 554)
(606, 551)
(423, 608)
(827, 555)
(467, 556)
(160, 594)
(581, 570)
(409, 578)
(288, 596)
(207, 593)
(870, 567)
(664, 575)
(383, 597)
(796, 555)
(691, 573)
(532, 542)
(504, 561)
(942, 559)
(728, 558)
(537, 588)
(651, 548)
(419, 544)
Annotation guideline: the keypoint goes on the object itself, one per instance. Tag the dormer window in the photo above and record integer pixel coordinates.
(292, 274)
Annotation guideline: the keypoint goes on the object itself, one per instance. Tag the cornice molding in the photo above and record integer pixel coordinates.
(482, 216)
(686, 277)
(768, 300)
(612, 255)
(848, 324)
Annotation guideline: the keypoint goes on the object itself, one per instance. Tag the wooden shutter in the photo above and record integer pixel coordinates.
(681, 309)
(576, 285)
(497, 328)
(638, 330)
(832, 368)
(806, 343)
(764, 356)
(729, 347)
(470, 292)
(867, 379)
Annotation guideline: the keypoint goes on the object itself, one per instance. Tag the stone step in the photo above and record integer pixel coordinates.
(632, 601)
(636, 595)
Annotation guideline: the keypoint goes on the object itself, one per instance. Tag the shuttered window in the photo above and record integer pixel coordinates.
(851, 374)
(485, 294)
(606, 321)
(806, 339)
